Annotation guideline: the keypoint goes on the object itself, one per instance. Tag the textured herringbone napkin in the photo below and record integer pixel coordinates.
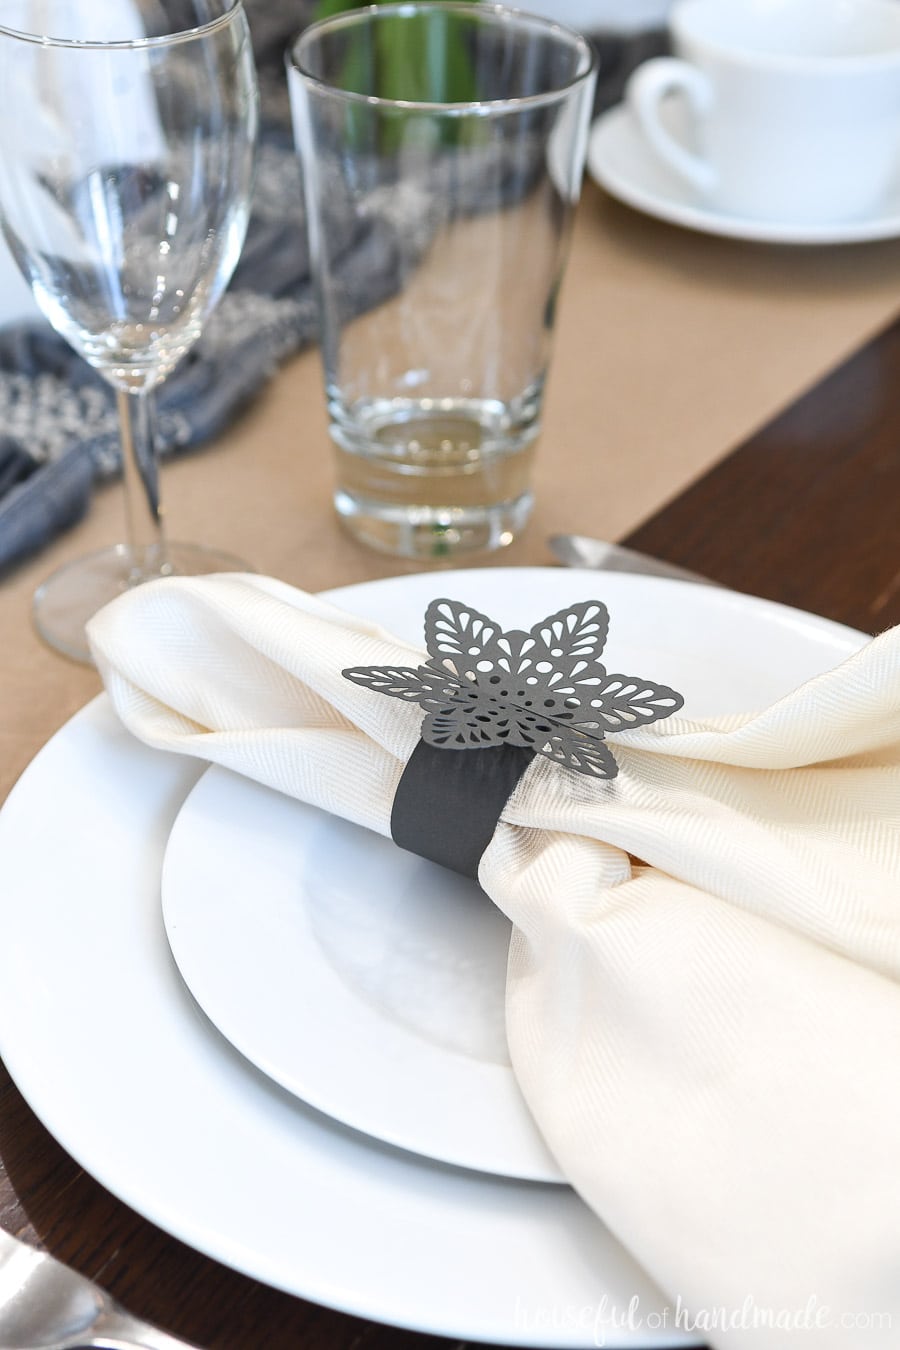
(709, 1038)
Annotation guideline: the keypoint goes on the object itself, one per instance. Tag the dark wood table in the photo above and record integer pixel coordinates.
(807, 512)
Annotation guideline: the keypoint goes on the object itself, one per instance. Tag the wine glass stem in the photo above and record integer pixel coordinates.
(137, 428)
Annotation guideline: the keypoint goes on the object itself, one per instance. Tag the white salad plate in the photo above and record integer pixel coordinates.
(365, 980)
(101, 1035)
(622, 162)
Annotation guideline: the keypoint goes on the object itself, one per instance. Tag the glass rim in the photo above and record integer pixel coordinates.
(126, 44)
(486, 13)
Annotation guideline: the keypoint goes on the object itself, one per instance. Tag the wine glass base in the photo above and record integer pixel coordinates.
(73, 594)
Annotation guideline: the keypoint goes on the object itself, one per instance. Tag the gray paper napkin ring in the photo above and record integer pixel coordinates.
(494, 700)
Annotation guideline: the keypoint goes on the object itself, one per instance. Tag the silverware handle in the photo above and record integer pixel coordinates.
(597, 554)
(114, 1329)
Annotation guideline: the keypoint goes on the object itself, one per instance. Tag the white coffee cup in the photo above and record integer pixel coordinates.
(794, 105)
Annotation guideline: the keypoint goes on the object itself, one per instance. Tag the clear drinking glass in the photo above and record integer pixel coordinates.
(447, 139)
(128, 135)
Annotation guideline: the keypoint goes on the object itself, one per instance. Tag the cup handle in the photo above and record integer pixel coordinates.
(652, 82)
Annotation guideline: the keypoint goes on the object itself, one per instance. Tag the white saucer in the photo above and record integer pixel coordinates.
(620, 160)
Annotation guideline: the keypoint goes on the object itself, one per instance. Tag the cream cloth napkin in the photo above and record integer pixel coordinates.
(709, 1039)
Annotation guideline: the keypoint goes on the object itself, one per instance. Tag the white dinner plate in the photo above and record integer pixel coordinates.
(112, 1053)
(621, 161)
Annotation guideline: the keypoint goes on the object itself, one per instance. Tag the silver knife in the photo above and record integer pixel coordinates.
(578, 550)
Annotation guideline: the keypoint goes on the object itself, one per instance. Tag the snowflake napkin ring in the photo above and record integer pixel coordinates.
(510, 695)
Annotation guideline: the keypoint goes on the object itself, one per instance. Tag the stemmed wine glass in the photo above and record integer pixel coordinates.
(127, 136)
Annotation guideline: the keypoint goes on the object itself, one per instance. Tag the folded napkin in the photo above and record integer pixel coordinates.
(702, 1003)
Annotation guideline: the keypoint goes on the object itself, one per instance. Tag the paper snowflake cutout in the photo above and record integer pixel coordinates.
(545, 690)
